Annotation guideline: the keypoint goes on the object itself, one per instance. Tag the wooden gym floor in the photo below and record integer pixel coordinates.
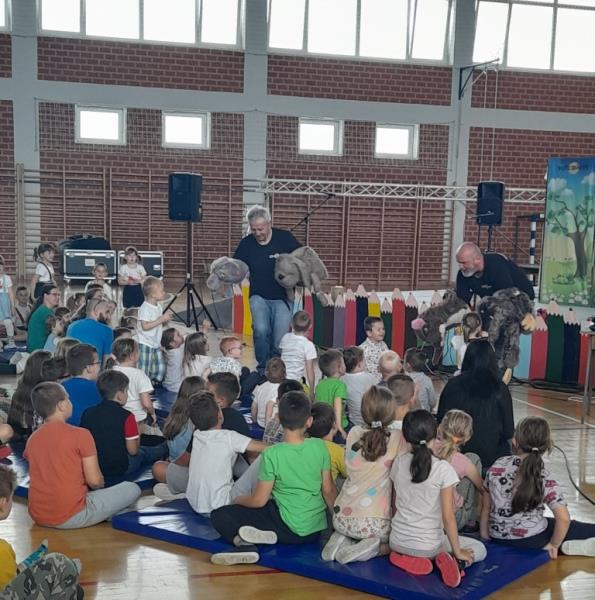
(118, 565)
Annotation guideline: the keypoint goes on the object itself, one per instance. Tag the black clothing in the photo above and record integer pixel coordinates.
(498, 273)
(106, 422)
(261, 262)
(493, 424)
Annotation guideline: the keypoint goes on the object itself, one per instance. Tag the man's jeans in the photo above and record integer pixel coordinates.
(270, 322)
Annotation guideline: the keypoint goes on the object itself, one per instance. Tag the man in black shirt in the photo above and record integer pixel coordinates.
(271, 313)
(484, 274)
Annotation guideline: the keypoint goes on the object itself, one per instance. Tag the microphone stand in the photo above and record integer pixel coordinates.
(306, 218)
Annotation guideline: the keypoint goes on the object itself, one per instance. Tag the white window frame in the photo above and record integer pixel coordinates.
(337, 138)
(555, 5)
(413, 147)
(206, 129)
(81, 34)
(7, 16)
(446, 55)
(121, 141)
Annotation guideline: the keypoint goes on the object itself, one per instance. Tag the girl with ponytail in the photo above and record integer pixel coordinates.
(363, 507)
(424, 487)
(519, 488)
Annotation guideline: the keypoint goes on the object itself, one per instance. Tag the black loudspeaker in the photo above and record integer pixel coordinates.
(184, 197)
(490, 201)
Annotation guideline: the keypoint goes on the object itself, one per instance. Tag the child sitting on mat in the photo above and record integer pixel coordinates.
(178, 428)
(403, 392)
(362, 512)
(454, 431)
(374, 345)
(196, 362)
(150, 328)
(55, 327)
(324, 427)
(82, 364)
(424, 487)
(172, 343)
(229, 362)
(267, 391)
(63, 468)
(331, 389)
(131, 275)
(226, 389)
(297, 351)
(22, 308)
(40, 575)
(7, 304)
(293, 491)
(273, 432)
(416, 366)
(389, 364)
(214, 452)
(519, 488)
(357, 380)
(115, 431)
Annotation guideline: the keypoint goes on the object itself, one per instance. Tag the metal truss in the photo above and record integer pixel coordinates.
(357, 189)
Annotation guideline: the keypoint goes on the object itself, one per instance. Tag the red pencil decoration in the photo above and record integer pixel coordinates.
(350, 317)
(238, 309)
(398, 333)
(309, 308)
(539, 341)
(585, 354)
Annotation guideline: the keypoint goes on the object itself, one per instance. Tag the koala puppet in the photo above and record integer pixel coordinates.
(302, 267)
(226, 271)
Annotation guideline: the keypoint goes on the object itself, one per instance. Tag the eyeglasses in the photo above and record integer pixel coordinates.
(54, 294)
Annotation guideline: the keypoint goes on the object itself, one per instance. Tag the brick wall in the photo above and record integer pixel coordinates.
(5, 56)
(535, 91)
(127, 63)
(358, 80)
(8, 214)
(121, 191)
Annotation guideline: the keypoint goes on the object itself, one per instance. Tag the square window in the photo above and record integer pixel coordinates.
(331, 26)
(112, 18)
(320, 137)
(383, 29)
(61, 15)
(396, 141)
(530, 36)
(575, 44)
(219, 22)
(286, 24)
(171, 21)
(100, 125)
(185, 130)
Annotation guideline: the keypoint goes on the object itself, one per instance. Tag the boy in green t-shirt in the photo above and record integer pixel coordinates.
(293, 491)
(332, 390)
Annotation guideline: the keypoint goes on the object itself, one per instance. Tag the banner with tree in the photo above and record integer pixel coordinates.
(567, 263)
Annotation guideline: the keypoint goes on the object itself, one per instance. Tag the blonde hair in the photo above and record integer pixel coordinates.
(150, 285)
(389, 363)
(455, 430)
(227, 342)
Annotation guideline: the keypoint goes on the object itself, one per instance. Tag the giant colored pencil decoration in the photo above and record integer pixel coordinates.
(374, 305)
(386, 313)
(318, 321)
(571, 356)
(585, 349)
(398, 333)
(555, 345)
(328, 313)
(309, 308)
(411, 313)
(521, 371)
(361, 307)
(238, 310)
(436, 299)
(539, 344)
(247, 324)
(350, 318)
(339, 322)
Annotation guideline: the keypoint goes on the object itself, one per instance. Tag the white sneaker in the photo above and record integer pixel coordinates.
(244, 555)
(364, 550)
(162, 491)
(334, 544)
(14, 359)
(257, 536)
(579, 547)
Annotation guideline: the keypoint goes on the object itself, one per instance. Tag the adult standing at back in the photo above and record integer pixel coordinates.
(93, 329)
(480, 392)
(37, 331)
(483, 274)
(271, 312)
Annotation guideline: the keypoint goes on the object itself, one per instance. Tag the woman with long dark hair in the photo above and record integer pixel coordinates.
(480, 392)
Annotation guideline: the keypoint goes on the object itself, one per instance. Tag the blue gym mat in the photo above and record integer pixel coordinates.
(143, 477)
(164, 400)
(177, 523)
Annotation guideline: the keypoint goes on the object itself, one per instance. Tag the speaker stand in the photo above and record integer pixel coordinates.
(190, 290)
(490, 237)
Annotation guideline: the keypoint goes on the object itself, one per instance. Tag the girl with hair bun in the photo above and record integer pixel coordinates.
(519, 489)
(363, 507)
(424, 488)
